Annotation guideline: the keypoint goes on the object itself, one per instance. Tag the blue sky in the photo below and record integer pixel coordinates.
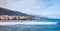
(47, 8)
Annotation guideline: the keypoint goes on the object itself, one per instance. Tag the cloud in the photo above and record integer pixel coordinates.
(22, 6)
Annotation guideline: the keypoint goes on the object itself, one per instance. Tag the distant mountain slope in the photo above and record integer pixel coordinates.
(4, 11)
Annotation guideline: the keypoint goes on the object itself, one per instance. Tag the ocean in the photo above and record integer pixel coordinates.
(23, 27)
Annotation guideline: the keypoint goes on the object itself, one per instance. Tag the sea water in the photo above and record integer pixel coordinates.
(23, 27)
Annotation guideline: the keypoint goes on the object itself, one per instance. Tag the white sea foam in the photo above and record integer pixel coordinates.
(28, 23)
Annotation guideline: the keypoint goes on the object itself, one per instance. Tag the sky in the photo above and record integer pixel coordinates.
(47, 8)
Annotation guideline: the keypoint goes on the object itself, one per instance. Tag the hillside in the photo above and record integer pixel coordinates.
(4, 11)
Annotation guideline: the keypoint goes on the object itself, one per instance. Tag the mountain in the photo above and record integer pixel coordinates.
(4, 11)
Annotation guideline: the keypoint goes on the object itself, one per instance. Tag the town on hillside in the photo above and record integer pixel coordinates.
(7, 17)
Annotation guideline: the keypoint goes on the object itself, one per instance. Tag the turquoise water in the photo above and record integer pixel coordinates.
(20, 27)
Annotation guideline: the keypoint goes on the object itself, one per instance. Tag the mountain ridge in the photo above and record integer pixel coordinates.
(4, 11)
